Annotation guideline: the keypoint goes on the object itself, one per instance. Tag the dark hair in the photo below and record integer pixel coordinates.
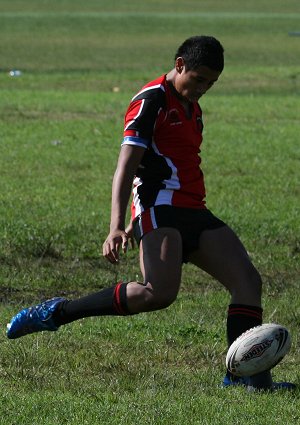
(202, 50)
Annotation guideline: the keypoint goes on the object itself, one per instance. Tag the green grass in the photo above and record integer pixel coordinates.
(61, 128)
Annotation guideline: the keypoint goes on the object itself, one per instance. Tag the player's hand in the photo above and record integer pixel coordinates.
(114, 242)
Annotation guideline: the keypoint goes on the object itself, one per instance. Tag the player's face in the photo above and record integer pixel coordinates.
(193, 84)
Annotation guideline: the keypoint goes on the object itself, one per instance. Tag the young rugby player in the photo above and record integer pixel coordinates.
(159, 157)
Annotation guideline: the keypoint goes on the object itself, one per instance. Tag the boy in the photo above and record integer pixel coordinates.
(160, 158)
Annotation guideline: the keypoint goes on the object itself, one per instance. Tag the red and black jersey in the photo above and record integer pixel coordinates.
(169, 173)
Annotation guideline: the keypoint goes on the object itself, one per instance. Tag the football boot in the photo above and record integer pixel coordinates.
(34, 319)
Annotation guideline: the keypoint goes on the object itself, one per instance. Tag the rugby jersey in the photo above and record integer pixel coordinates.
(169, 173)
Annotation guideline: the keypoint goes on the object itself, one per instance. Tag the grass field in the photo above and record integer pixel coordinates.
(60, 131)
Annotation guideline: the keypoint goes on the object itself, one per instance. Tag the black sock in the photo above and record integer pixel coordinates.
(240, 318)
(110, 301)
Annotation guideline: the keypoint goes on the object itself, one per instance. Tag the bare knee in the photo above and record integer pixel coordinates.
(158, 301)
(142, 298)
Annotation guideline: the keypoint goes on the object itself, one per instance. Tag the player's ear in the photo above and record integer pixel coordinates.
(179, 64)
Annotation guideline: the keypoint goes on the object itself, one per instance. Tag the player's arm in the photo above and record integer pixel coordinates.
(128, 162)
(138, 131)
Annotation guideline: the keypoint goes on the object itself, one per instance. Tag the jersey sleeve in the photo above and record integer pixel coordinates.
(141, 116)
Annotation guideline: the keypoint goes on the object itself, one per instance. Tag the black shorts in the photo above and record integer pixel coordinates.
(189, 222)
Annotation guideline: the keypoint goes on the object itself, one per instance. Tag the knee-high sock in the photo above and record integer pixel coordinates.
(240, 318)
(110, 301)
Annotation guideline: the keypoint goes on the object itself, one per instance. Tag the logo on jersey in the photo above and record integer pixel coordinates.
(174, 117)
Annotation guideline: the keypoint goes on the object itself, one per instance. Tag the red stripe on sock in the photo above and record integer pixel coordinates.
(244, 312)
(117, 301)
(257, 316)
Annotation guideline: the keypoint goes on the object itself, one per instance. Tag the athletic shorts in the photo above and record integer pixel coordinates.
(189, 222)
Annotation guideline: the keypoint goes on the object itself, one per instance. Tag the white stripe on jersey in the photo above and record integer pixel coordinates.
(136, 200)
(149, 88)
(137, 115)
(172, 183)
(164, 196)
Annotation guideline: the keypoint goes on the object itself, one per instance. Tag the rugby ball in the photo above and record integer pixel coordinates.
(258, 349)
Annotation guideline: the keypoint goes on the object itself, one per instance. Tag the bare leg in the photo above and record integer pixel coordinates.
(160, 261)
(222, 255)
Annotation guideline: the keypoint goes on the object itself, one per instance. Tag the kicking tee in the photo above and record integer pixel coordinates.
(169, 173)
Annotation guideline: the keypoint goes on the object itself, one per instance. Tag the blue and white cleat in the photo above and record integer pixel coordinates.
(34, 319)
(231, 380)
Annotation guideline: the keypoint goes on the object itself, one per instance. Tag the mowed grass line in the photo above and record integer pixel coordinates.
(213, 7)
(61, 127)
(109, 41)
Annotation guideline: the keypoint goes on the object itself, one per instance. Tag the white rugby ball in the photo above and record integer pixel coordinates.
(258, 349)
